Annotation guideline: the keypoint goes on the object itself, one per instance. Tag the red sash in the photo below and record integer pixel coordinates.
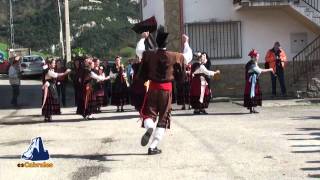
(161, 86)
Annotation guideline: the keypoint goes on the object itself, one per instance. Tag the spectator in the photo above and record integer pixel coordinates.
(61, 82)
(14, 79)
(276, 59)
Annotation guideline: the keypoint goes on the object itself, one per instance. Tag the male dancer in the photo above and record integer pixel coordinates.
(158, 68)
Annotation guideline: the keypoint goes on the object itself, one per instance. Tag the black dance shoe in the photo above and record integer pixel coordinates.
(255, 112)
(48, 119)
(196, 112)
(91, 118)
(154, 151)
(122, 110)
(146, 137)
(203, 111)
(183, 108)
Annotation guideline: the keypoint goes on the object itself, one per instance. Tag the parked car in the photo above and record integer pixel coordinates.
(4, 66)
(31, 65)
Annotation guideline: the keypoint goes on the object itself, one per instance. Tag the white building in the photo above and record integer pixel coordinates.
(228, 29)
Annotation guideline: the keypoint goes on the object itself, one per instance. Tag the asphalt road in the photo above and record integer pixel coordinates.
(282, 142)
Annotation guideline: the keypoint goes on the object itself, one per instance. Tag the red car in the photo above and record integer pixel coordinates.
(4, 66)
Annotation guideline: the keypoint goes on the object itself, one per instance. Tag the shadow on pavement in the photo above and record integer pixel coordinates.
(24, 121)
(312, 118)
(87, 172)
(96, 157)
(211, 114)
(306, 145)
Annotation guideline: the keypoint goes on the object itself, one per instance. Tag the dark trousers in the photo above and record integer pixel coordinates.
(15, 94)
(280, 76)
(61, 88)
(158, 103)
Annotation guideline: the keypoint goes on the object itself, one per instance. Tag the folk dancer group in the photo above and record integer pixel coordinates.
(151, 87)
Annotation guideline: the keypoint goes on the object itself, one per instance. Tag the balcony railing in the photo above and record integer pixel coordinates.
(314, 4)
(306, 62)
(267, 1)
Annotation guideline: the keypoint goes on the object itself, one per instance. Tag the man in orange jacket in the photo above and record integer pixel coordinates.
(276, 59)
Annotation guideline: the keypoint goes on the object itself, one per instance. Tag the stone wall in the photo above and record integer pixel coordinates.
(232, 81)
(172, 23)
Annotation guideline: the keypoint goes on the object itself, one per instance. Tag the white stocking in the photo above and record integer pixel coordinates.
(203, 89)
(148, 123)
(158, 135)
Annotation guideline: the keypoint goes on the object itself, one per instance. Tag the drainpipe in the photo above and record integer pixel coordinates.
(181, 3)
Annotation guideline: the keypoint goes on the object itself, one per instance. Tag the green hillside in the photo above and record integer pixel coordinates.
(102, 29)
(3, 49)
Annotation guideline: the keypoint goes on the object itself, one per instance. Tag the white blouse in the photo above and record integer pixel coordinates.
(203, 70)
(255, 69)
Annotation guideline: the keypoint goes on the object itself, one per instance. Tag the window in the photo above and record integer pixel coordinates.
(221, 40)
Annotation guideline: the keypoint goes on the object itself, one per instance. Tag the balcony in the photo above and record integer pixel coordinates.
(308, 11)
(239, 4)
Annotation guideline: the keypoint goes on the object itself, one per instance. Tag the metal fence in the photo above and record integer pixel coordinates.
(314, 4)
(267, 1)
(305, 63)
(221, 40)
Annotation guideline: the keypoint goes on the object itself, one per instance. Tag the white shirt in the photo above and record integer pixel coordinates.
(255, 69)
(203, 70)
(97, 77)
(51, 74)
(187, 52)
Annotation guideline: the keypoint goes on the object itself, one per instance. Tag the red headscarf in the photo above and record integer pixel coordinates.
(253, 53)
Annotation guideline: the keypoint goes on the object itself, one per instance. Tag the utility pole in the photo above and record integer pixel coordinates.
(68, 45)
(11, 25)
(61, 31)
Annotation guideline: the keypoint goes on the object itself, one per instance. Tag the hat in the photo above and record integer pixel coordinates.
(148, 25)
(253, 53)
(161, 38)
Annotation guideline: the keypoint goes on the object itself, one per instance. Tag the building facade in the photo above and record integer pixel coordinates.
(228, 29)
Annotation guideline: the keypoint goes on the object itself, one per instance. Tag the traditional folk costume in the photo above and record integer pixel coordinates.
(99, 90)
(183, 89)
(50, 98)
(76, 77)
(88, 105)
(252, 93)
(120, 91)
(200, 92)
(61, 86)
(208, 79)
(137, 89)
(158, 67)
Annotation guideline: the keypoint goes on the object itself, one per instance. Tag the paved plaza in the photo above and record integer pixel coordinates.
(281, 142)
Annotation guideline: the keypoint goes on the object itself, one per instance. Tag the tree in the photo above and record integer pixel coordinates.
(102, 28)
